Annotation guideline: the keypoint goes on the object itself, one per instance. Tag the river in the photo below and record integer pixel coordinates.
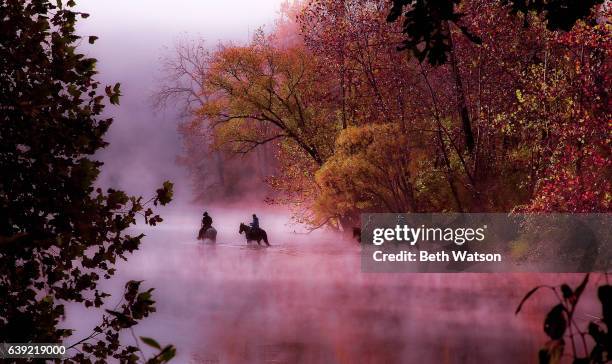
(304, 300)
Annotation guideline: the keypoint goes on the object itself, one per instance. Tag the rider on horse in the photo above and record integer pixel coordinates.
(254, 232)
(206, 221)
(255, 223)
(207, 232)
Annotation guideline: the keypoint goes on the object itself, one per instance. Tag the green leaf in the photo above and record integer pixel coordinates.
(168, 353)
(164, 194)
(151, 342)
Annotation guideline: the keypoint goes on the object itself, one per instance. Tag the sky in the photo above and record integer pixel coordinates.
(133, 37)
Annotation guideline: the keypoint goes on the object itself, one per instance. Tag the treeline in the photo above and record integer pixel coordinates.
(484, 109)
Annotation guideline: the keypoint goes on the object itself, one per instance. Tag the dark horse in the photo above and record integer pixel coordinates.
(254, 234)
(210, 234)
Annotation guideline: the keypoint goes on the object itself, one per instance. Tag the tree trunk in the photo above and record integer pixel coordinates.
(466, 124)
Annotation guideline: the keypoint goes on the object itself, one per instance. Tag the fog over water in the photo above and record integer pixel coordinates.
(304, 300)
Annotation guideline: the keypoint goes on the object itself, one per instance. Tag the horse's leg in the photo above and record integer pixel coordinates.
(265, 238)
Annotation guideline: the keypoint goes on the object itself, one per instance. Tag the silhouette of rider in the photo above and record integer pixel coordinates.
(255, 223)
(206, 221)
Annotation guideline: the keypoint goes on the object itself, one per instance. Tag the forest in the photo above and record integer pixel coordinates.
(339, 108)
(464, 106)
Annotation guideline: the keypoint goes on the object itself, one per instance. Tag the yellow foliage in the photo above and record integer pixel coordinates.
(369, 171)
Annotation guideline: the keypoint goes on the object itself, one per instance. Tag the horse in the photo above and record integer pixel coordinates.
(253, 234)
(210, 234)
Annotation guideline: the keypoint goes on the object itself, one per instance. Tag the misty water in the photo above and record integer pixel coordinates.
(304, 300)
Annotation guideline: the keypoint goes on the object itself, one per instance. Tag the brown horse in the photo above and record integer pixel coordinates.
(253, 234)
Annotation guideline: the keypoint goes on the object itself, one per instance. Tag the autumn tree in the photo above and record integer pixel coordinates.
(570, 96)
(481, 83)
(555, 50)
(381, 85)
(261, 95)
(59, 235)
(378, 168)
(490, 123)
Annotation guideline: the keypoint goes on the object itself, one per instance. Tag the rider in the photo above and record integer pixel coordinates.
(255, 223)
(206, 221)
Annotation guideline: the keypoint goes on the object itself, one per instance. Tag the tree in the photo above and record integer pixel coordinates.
(517, 120)
(377, 168)
(215, 173)
(572, 97)
(59, 235)
(427, 23)
(259, 95)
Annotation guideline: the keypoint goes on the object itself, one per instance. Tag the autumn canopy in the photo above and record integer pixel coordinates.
(348, 106)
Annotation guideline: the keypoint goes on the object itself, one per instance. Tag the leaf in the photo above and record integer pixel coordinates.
(604, 293)
(597, 333)
(555, 323)
(581, 286)
(566, 291)
(168, 353)
(552, 352)
(533, 290)
(92, 39)
(151, 342)
(164, 194)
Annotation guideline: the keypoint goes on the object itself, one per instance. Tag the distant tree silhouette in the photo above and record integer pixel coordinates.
(58, 234)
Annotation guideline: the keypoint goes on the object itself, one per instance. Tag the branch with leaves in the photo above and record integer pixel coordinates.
(560, 323)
